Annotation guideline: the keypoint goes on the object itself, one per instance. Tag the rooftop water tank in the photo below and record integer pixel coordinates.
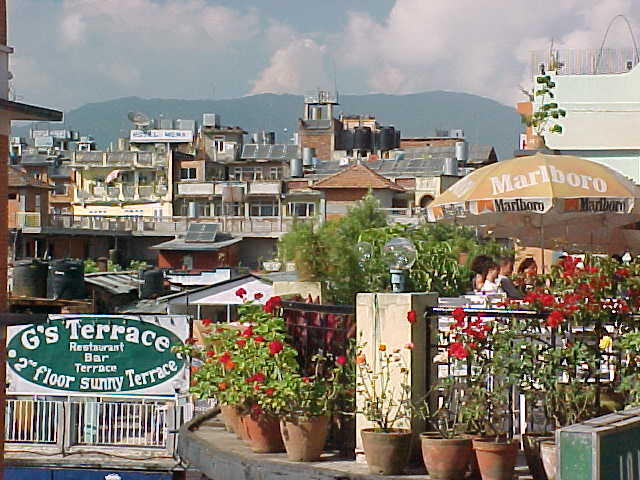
(30, 278)
(66, 280)
(462, 152)
(362, 138)
(296, 168)
(450, 167)
(307, 156)
(153, 283)
(387, 138)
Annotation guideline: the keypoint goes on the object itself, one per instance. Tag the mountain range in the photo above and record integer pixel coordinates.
(484, 121)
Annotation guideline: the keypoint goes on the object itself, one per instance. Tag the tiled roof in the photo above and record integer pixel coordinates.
(20, 178)
(357, 176)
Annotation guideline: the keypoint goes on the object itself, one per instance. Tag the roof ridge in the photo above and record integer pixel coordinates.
(383, 181)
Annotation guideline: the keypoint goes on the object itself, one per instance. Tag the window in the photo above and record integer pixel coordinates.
(37, 199)
(247, 174)
(12, 196)
(234, 209)
(59, 188)
(218, 144)
(188, 174)
(275, 173)
(264, 208)
(187, 262)
(302, 209)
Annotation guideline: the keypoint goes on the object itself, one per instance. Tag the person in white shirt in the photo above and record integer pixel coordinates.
(490, 281)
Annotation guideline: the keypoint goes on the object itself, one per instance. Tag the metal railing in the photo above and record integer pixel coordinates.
(28, 219)
(69, 423)
(585, 61)
(30, 421)
(121, 424)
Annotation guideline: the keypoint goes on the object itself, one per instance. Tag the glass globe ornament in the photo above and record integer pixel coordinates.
(399, 255)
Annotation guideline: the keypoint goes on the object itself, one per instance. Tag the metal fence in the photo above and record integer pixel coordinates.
(315, 328)
(29, 421)
(95, 423)
(584, 61)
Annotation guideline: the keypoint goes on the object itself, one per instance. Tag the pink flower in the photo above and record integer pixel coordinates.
(411, 316)
(341, 360)
(241, 292)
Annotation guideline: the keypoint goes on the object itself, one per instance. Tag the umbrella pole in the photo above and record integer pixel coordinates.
(542, 242)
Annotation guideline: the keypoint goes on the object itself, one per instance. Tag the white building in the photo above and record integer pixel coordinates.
(600, 91)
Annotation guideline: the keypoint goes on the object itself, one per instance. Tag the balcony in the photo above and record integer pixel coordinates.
(121, 193)
(28, 222)
(195, 188)
(119, 159)
(265, 188)
(130, 426)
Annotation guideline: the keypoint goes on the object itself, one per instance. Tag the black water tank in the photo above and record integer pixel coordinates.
(66, 280)
(30, 278)
(398, 138)
(387, 138)
(362, 138)
(153, 283)
(345, 140)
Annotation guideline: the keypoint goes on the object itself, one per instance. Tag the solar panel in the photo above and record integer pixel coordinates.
(277, 152)
(202, 232)
(249, 151)
(263, 151)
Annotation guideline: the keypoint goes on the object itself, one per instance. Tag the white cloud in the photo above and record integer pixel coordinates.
(295, 68)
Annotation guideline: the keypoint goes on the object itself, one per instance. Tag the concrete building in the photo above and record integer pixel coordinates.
(600, 92)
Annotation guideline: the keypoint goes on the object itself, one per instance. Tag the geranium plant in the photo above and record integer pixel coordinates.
(383, 383)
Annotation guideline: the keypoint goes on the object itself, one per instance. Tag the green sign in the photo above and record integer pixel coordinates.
(93, 355)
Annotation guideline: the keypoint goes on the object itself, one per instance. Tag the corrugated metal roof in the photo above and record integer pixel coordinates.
(117, 283)
(259, 151)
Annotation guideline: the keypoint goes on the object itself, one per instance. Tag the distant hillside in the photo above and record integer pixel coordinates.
(483, 120)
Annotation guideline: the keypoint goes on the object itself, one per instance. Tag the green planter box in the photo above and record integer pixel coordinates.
(603, 448)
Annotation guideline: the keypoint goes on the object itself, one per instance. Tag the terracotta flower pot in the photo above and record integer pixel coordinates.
(496, 460)
(387, 452)
(549, 454)
(474, 469)
(231, 418)
(262, 433)
(446, 458)
(304, 437)
(531, 446)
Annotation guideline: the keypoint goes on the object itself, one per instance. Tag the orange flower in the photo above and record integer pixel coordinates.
(382, 347)
(360, 359)
(222, 386)
(229, 365)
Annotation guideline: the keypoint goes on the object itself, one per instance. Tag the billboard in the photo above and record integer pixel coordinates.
(97, 355)
(161, 136)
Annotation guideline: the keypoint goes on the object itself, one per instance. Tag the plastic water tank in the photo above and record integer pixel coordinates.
(30, 278)
(296, 168)
(450, 166)
(387, 138)
(66, 280)
(362, 138)
(307, 156)
(153, 283)
(462, 152)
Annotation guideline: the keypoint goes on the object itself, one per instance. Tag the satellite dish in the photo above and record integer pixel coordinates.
(140, 120)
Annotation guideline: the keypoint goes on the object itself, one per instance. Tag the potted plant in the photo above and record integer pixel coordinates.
(446, 452)
(385, 390)
(486, 347)
(546, 112)
(311, 400)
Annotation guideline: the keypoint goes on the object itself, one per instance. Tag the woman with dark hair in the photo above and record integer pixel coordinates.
(479, 269)
(527, 271)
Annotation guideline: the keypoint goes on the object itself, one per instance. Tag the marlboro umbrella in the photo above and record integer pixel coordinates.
(551, 201)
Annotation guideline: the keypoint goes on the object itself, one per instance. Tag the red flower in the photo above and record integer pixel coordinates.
(272, 304)
(622, 272)
(190, 341)
(554, 319)
(256, 410)
(275, 347)
(256, 387)
(458, 315)
(457, 350)
(219, 330)
(411, 316)
(258, 296)
(306, 379)
(247, 332)
(224, 358)
(241, 292)
(206, 322)
(222, 386)
(258, 338)
(268, 392)
(241, 342)
(211, 353)
(546, 300)
(256, 377)
(341, 360)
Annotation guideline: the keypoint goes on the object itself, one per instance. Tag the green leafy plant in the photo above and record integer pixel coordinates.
(547, 110)
(385, 387)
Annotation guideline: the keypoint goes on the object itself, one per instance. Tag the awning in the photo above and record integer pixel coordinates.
(226, 294)
(23, 111)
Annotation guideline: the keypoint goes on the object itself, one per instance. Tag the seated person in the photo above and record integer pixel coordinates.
(479, 271)
(490, 278)
(504, 282)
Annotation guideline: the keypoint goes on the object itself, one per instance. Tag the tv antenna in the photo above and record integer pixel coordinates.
(140, 120)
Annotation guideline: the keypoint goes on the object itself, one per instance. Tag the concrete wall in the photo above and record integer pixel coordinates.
(603, 111)
(340, 200)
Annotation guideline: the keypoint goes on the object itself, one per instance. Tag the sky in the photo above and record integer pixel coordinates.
(72, 52)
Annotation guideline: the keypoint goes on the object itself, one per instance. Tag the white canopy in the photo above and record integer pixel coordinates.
(225, 294)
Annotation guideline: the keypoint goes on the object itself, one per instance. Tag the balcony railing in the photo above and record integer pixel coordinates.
(119, 159)
(110, 424)
(122, 193)
(584, 61)
(28, 219)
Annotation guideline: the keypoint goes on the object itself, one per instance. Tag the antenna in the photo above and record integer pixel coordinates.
(140, 120)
